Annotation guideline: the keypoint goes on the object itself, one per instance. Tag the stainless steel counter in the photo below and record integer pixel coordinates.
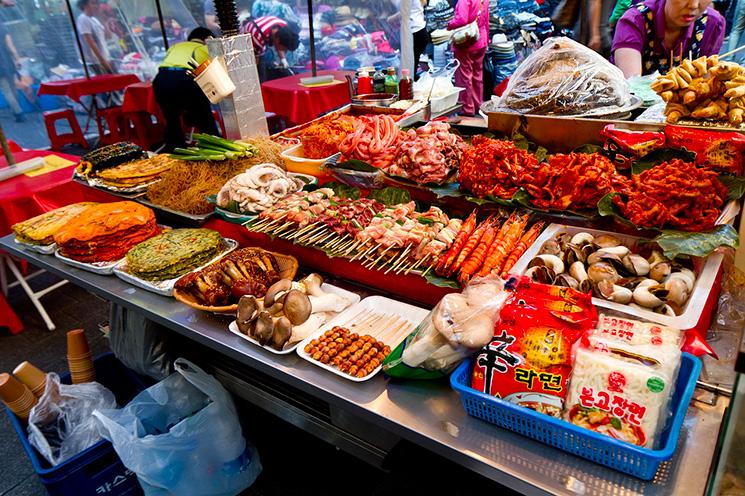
(426, 413)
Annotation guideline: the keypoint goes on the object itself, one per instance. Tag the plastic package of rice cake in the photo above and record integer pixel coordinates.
(529, 359)
(623, 378)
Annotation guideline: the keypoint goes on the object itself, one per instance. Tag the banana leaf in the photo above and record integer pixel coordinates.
(390, 196)
(354, 165)
(588, 148)
(735, 185)
(441, 282)
(675, 243)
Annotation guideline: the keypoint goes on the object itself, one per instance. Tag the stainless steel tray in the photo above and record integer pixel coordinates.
(165, 287)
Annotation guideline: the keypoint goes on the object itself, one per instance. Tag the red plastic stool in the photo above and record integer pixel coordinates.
(220, 123)
(114, 120)
(143, 130)
(60, 140)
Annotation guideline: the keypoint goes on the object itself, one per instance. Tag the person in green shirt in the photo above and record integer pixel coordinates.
(179, 95)
(619, 10)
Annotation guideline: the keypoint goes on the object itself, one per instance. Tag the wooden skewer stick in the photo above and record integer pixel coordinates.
(388, 336)
(732, 52)
(379, 258)
(304, 230)
(337, 242)
(400, 260)
(350, 248)
(428, 269)
(329, 235)
(305, 237)
(361, 251)
(334, 240)
(416, 265)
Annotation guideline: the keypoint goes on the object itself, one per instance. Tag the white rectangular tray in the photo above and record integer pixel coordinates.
(354, 299)
(43, 249)
(706, 270)
(100, 268)
(165, 287)
(380, 305)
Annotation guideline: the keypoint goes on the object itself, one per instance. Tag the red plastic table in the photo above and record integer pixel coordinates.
(79, 87)
(287, 98)
(140, 97)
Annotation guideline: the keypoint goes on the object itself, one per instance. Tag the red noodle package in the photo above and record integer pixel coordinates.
(529, 359)
(721, 151)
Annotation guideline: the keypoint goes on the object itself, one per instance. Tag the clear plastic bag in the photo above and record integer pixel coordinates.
(61, 425)
(459, 325)
(182, 437)
(564, 77)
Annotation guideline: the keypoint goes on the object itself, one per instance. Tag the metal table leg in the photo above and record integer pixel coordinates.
(34, 296)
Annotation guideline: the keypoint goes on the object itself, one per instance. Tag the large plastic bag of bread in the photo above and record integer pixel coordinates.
(458, 326)
(564, 77)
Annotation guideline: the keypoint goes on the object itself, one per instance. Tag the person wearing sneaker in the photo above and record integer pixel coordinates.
(9, 64)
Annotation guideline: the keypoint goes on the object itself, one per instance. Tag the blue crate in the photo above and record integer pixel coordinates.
(613, 453)
(97, 470)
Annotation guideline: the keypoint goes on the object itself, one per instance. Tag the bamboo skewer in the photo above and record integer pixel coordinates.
(732, 52)
(362, 254)
(351, 248)
(331, 234)
(304, 230)
(419, 262)
(316, 238)
(400, 259)
(305, 237)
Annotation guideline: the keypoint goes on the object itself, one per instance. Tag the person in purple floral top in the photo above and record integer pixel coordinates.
(652, 35)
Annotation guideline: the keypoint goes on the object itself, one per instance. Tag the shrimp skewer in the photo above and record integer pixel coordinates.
(476, 259)
(499, 251)
(473, 241)
(521, 247)
(448, 258)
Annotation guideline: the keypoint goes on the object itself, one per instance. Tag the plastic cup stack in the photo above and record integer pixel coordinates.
(79, 358)
(32, 377)
(17, 396)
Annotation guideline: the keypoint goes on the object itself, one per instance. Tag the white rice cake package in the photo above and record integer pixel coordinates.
(650, 344)
(618, 397)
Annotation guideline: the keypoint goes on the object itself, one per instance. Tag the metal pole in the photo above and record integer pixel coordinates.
(312, 37)
(77, 38)
(6, 149)
(162, 24)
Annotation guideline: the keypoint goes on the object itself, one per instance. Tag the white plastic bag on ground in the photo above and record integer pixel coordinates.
(61, 425)
(182, 437)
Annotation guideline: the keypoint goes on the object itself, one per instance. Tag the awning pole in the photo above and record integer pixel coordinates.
(162, 24)
(313, 37)
(77, 38)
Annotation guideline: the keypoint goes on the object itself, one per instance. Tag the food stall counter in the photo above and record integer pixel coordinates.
(426, 413)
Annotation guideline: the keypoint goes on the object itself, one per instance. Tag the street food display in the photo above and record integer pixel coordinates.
(186, 186)
(248, 271)
(289, 312)
(564, 77)
(108, 156)
(322, 139)
(257, 189)
(674, 194)
(40, 230)
(562, 327)
(136, 173)
(704, 89)
(173, 253)
(106, 232)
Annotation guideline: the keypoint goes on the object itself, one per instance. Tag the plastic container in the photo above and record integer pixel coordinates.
(613, 453)
(698, 309)
(97, 470)
(446, 102)
(215, 81)
(295, 161)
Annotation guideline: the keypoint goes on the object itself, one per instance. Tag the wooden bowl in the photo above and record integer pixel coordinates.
(288, 266)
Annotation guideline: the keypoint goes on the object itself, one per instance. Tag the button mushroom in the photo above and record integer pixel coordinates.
(297, 307)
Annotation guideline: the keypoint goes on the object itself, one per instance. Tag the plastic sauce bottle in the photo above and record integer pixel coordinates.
(391, 81)
(405, 86)
(378, 81)
(364, 83)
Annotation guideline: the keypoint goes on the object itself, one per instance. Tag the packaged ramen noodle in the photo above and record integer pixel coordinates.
(618, 397)
(529, 359)
(650, 344)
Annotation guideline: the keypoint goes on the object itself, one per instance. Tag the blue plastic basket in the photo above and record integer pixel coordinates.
(613, 453)
(96, 470)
